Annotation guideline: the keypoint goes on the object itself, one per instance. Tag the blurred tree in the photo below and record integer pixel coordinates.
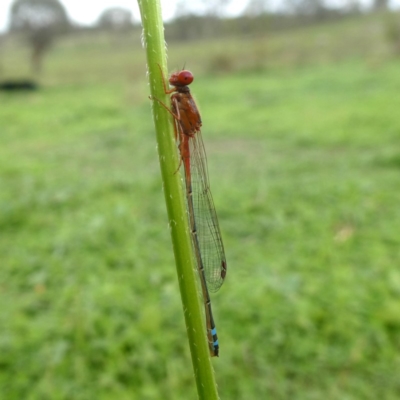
(314, 8)
(216, 8)
(40, 22)
(116, 18)
(352, 7)
(189, 24)
(255, 8)
(381, 5)
(182, 9)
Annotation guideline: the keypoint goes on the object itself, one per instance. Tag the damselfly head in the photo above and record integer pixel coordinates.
(181, 78)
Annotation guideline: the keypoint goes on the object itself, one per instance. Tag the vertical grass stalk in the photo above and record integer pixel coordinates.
(153, 41)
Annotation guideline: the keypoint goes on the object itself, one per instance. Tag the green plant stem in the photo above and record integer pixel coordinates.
(153, 38)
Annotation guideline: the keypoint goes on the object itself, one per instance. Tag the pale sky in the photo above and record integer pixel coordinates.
(87, 12)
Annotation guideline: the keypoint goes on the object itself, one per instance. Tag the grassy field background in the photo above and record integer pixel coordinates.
(302, 131)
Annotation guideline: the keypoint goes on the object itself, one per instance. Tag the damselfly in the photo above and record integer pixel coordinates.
(206, 235)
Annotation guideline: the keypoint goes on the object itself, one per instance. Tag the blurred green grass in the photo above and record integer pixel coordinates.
(304, 154)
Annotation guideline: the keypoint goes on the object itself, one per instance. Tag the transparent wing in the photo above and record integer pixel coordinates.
(208, 232)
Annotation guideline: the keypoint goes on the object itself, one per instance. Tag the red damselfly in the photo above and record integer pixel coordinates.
(206, 235)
